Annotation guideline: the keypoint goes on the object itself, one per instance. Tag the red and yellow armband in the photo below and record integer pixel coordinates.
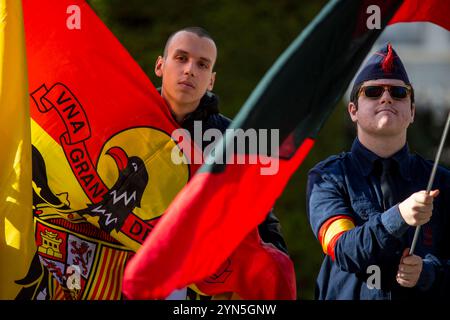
(331, 230)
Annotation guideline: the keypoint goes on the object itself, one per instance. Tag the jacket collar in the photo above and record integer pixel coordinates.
(366, 159)
(209, 104)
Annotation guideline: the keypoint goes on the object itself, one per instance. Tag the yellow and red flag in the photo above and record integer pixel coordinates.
(16, 224)
(101, 150)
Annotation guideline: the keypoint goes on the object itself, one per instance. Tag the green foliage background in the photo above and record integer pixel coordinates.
(250, 36)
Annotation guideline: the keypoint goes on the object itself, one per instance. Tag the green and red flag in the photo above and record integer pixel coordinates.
(101, 149)
(210, 219)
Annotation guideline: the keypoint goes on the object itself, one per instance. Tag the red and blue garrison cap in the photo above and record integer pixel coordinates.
(383, 64)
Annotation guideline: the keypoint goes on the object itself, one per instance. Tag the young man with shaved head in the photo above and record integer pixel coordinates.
(187, 73)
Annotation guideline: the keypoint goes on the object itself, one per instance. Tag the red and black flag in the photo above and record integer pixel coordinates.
(210, 219)
(101, 151)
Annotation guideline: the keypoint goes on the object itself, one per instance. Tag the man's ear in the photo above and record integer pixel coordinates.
(211, 81)
(159, 66)
(413, 112)
(352, 109)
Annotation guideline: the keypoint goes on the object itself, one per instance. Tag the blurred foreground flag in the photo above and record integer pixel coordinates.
(210, 218)
(16, 223)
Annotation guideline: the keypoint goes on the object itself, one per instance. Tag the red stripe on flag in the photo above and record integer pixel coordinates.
(107, 282)
(118, 289)
(113, 279)
(115, 288)
(100, 273)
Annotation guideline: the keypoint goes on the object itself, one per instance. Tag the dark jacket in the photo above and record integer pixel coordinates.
(348, 184)
(208, 113)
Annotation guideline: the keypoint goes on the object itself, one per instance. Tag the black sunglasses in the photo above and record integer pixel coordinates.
(376, 91)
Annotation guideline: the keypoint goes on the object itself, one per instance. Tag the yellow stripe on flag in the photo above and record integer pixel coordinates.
(17, 245)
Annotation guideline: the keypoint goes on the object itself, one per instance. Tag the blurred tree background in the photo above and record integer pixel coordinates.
(250, 36)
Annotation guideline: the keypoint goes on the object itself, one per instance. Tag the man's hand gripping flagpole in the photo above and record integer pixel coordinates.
(431, 180)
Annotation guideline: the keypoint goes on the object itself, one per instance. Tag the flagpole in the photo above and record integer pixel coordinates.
(431, 180)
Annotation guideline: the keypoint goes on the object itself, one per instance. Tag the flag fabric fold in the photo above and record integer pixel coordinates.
(16, 224)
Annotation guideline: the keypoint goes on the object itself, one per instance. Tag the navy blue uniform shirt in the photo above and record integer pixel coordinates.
(348, 184)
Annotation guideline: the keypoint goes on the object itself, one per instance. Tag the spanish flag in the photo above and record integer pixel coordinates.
(16, 223)
(101, 153)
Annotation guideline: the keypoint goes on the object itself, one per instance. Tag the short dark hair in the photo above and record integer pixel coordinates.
(199, 31)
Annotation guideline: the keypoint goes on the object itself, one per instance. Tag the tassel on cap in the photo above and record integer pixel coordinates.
(387, 65)
(383, 64)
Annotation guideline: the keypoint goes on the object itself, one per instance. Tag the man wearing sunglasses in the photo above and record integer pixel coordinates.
(364, 205)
